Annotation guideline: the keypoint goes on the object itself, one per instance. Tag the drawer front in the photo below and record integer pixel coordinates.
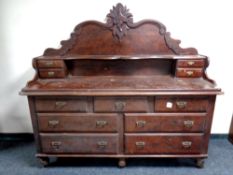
(164, 123)
(55, 122)
(79, 143)
(52, 73)
(190, 63)
(53, 104)
(189, 72)
(180, 104)
(165, 144)
(50, 64)
(121, 104)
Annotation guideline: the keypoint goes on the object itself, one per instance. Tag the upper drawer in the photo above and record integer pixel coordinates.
(52, 73)
(165, 122)
(81, 122)
(53, 104)
(80, 143)
(190, 63)
(50, 64)
(189, 72)
(121, 104)
(181, 104)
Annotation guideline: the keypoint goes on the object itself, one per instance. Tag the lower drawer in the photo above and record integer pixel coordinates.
(80, 143)
(77, 122)
(165, 122)
(163, 144)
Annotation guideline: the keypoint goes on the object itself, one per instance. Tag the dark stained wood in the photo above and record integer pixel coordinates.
(181, 104)
(121, 90)
(80, 143)
(231, 131)
(165, 122)
(72, 122)
(163, 144)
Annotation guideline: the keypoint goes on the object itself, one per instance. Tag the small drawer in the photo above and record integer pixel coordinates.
(189, 72)
(165, 122)
(190, 63)
(52, 73)
(181, 104)
(164, 144)
(121, 104)
(50, 64)
(80, 143)
(62, 104)
(55, 122)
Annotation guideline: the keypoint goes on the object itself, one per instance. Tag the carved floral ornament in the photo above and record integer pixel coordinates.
(119, 20)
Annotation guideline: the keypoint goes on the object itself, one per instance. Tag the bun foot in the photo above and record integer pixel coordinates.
(44, 161)
(121, 163)
(200, 163)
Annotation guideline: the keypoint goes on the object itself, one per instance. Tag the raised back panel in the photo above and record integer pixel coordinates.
(120, 36)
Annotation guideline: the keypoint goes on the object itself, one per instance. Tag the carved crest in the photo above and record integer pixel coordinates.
(119, 20)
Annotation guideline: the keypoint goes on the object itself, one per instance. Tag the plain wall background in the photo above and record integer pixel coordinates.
(27, 27)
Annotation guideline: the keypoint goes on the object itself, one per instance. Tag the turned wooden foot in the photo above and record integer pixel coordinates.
(121, 163)
(200, 163)
(44, 160)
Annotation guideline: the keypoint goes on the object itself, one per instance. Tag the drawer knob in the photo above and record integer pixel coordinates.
(60, 104)
(140, 144)
(190, 63)
(49, 63)
(181, 104)
(119, 106)
(186, 144)
(140, 123)
(51, 74)
(101, 123)
(53, 123)
(102, 144)
(56, 145)
(188, 123)
(189, 73)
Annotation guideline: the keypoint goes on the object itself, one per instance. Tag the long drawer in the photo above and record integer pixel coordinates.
(121, 104)
(63, 104)
(163, 144)
(80, 143)
(78, 122)
(181, 104)
(165, 122)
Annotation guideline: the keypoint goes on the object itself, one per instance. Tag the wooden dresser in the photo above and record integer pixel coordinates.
(121, 90)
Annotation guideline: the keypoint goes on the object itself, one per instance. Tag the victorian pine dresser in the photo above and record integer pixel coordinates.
(121, 90)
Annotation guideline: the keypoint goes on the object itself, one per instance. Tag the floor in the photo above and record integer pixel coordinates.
(17, 158)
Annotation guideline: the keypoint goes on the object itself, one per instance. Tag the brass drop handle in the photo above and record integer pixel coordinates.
(181, 104)
(101, 123)
(102, 144)
(49, 63)
(53, 123)
(190, 63)
(188, 123)
(140, 123)
(119, 106)
(140, 144)
(189, 73)
(186, 144)
(55, 145)
(60, 104)
(51, 74)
